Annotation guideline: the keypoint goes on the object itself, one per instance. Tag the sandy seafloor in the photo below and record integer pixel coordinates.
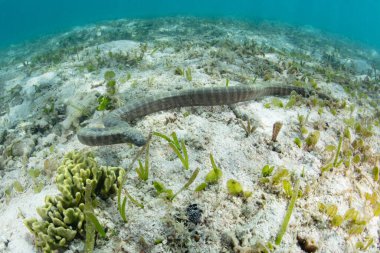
(49, 89)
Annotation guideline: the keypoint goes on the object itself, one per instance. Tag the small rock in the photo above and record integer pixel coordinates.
(40, 126)
(23, 147)
(229, 240)
(16, 101)
(48, 140)
(307, 244)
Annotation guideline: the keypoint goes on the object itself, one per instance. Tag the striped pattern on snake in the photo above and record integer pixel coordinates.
(118, 130)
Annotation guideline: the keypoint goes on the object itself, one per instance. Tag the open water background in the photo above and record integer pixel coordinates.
(22, 20)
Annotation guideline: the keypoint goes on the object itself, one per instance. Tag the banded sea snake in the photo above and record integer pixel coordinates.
(118, 130)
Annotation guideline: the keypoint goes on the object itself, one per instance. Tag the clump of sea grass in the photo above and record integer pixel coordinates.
(248, 128)
(312, 140)
(178, 147)
(288, 214)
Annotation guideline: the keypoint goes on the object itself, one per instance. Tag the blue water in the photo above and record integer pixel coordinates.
(22, 20)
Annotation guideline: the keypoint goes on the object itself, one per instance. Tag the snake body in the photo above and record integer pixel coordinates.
(118, 130)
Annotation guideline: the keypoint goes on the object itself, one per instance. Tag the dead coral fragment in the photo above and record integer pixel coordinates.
(276, 130)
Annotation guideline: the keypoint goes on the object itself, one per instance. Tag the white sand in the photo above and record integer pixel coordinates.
(206, 130)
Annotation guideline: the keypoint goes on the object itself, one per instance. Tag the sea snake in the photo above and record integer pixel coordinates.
(118, 130)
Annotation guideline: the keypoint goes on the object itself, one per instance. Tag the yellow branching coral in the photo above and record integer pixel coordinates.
(63, 215)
